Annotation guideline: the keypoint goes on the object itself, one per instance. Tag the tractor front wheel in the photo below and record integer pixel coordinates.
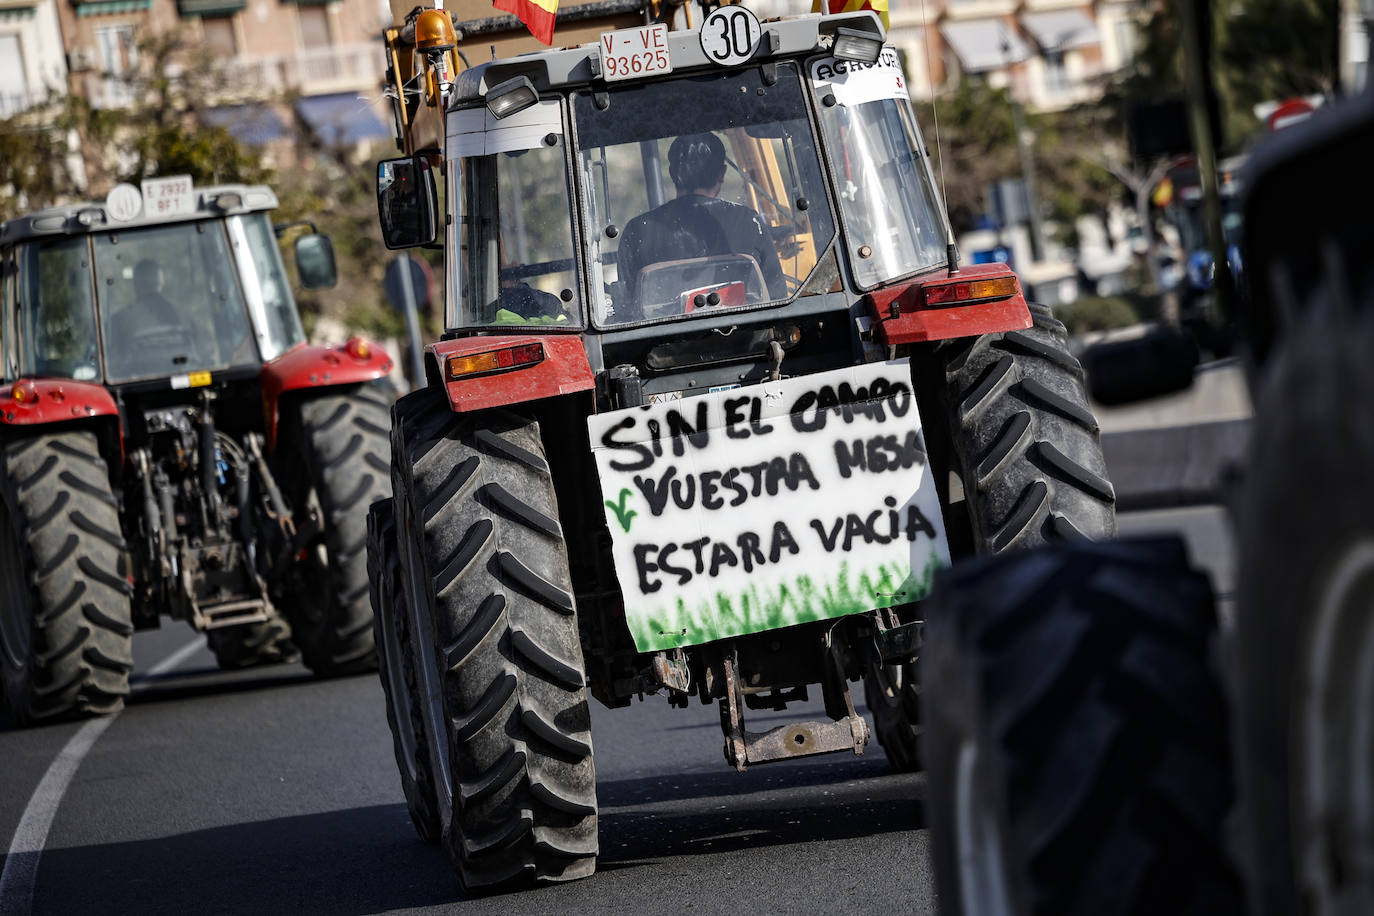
(338, 467)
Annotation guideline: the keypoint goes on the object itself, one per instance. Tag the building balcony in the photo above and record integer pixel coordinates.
(318, 71)
(958, 10)
(17, 101)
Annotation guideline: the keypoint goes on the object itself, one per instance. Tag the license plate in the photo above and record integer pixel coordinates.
(632, 53)
(171, 196)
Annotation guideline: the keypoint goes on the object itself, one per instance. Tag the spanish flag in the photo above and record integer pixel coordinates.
(850, 6)
(538, 15)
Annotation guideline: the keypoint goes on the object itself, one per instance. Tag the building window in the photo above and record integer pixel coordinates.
(1125, 41)
(118, 63)
(14, 88)
(219, 35)
(314, 26)
(1056, 76)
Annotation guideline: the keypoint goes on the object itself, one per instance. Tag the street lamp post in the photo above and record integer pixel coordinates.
(1023, 152)
(1023, 147)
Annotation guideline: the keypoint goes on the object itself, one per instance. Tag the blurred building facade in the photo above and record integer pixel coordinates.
(32, 63)
(322, 55)
(1050, 54)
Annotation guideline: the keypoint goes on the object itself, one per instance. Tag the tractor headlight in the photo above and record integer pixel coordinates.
(852, 44)
(514, 95)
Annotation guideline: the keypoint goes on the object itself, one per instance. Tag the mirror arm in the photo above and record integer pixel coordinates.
(280, 229)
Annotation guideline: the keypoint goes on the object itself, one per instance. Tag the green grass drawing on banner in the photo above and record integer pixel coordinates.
(805, 599)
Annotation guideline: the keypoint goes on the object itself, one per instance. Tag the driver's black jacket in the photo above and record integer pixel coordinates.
(697, 226)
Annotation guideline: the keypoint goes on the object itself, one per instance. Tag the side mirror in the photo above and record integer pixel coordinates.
(315, 261)
(1161, 361)
(407, 202)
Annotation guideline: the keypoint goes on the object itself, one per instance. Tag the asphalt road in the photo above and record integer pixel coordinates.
(271, 792)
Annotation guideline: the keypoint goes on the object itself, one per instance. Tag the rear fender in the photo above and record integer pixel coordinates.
(563, 369)
(60, 402)
(900, 315)
(311, 367)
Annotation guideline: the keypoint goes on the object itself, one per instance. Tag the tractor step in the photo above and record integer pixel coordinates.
(743, 748)
(233, 613)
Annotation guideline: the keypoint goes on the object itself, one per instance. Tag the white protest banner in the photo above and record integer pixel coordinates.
(749, 509)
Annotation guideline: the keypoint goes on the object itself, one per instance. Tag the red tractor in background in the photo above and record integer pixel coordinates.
(170, 445)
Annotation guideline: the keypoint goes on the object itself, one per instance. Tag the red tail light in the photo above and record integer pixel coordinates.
(469, 364)
(961, 292)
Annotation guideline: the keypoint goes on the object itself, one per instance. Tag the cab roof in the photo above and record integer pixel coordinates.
(83, 218)
(580, 66)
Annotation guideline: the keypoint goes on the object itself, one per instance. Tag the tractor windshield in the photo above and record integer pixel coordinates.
(265, 285)
(893, 219)
(170, 302)
(701, 193)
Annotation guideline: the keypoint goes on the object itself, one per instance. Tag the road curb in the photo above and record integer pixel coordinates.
(1174, 465)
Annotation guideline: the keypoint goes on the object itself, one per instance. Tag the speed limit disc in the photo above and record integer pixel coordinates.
(730, 36)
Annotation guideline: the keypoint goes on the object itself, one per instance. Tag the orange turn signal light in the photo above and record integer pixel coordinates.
(358, 348)
(962, 292)
(24, 392)
(470, 364)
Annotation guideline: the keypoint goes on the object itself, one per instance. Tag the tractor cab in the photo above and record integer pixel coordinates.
(686, 184)
(145, 300)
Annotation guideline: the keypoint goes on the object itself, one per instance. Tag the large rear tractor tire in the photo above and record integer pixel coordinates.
(396, 665)
(1076, 735)
(1028, 452)
(487, 572)
(65, 619)
(1025, 440)
(341, 440)
(1304, 635)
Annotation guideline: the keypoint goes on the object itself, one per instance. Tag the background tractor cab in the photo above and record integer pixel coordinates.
(153, 338)
(140, 301)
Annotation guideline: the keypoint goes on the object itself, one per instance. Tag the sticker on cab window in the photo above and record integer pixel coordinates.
(855, 82)
(190, 380)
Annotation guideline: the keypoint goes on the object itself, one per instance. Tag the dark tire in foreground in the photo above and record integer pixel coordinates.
(396, 665)
(490, 567)
(252, 644)
(1304, 636)
(65, 620)
(1076, 735)
(1026, 446)
(341, 441)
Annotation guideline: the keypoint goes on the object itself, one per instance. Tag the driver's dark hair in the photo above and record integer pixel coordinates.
(696, 161)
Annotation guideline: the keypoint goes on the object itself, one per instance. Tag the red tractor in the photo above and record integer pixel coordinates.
(715, 401)
(170, 445)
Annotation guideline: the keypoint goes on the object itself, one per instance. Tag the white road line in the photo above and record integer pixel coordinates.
(171, 661)
(21, 864)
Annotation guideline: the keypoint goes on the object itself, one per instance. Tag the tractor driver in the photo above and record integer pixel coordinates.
(153, 306)
(697, 223)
